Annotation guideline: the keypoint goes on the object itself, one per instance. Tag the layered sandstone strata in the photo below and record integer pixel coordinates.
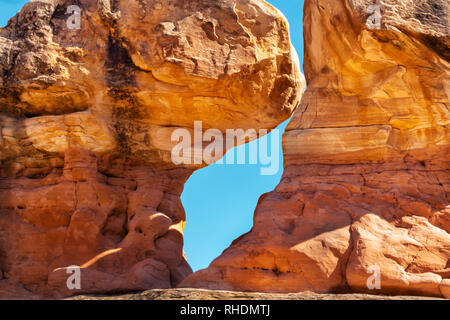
(86, 117)
(366, 183)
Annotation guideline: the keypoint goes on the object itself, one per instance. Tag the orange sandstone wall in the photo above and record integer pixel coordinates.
(366, 182)
(86, 118)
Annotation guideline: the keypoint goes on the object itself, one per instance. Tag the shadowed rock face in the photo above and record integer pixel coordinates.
(202, 294)
(86, 118)
(366, 183)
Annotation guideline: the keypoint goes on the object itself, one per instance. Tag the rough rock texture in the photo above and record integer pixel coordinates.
(201, 294)
(367, 160)
(86, 118)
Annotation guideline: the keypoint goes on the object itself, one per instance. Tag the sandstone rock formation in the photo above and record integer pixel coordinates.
(86, 117)
(202, 294)
(367, 159)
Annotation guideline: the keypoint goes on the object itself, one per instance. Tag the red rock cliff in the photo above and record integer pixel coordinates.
(86, 116)
(366, 183)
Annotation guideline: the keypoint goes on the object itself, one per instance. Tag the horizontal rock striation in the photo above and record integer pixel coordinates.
(366, 182)
(87, 110)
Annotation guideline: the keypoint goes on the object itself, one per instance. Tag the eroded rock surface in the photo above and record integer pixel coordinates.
(366, 183)
(201, 294)
(86, 117)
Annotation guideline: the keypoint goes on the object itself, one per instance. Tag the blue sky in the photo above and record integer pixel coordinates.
(219, 200)
(8, 9)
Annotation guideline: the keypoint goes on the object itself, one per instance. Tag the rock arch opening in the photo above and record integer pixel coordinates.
(220, 202)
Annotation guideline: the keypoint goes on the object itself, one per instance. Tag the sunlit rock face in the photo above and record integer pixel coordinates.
(366, 185)
(86, 118)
